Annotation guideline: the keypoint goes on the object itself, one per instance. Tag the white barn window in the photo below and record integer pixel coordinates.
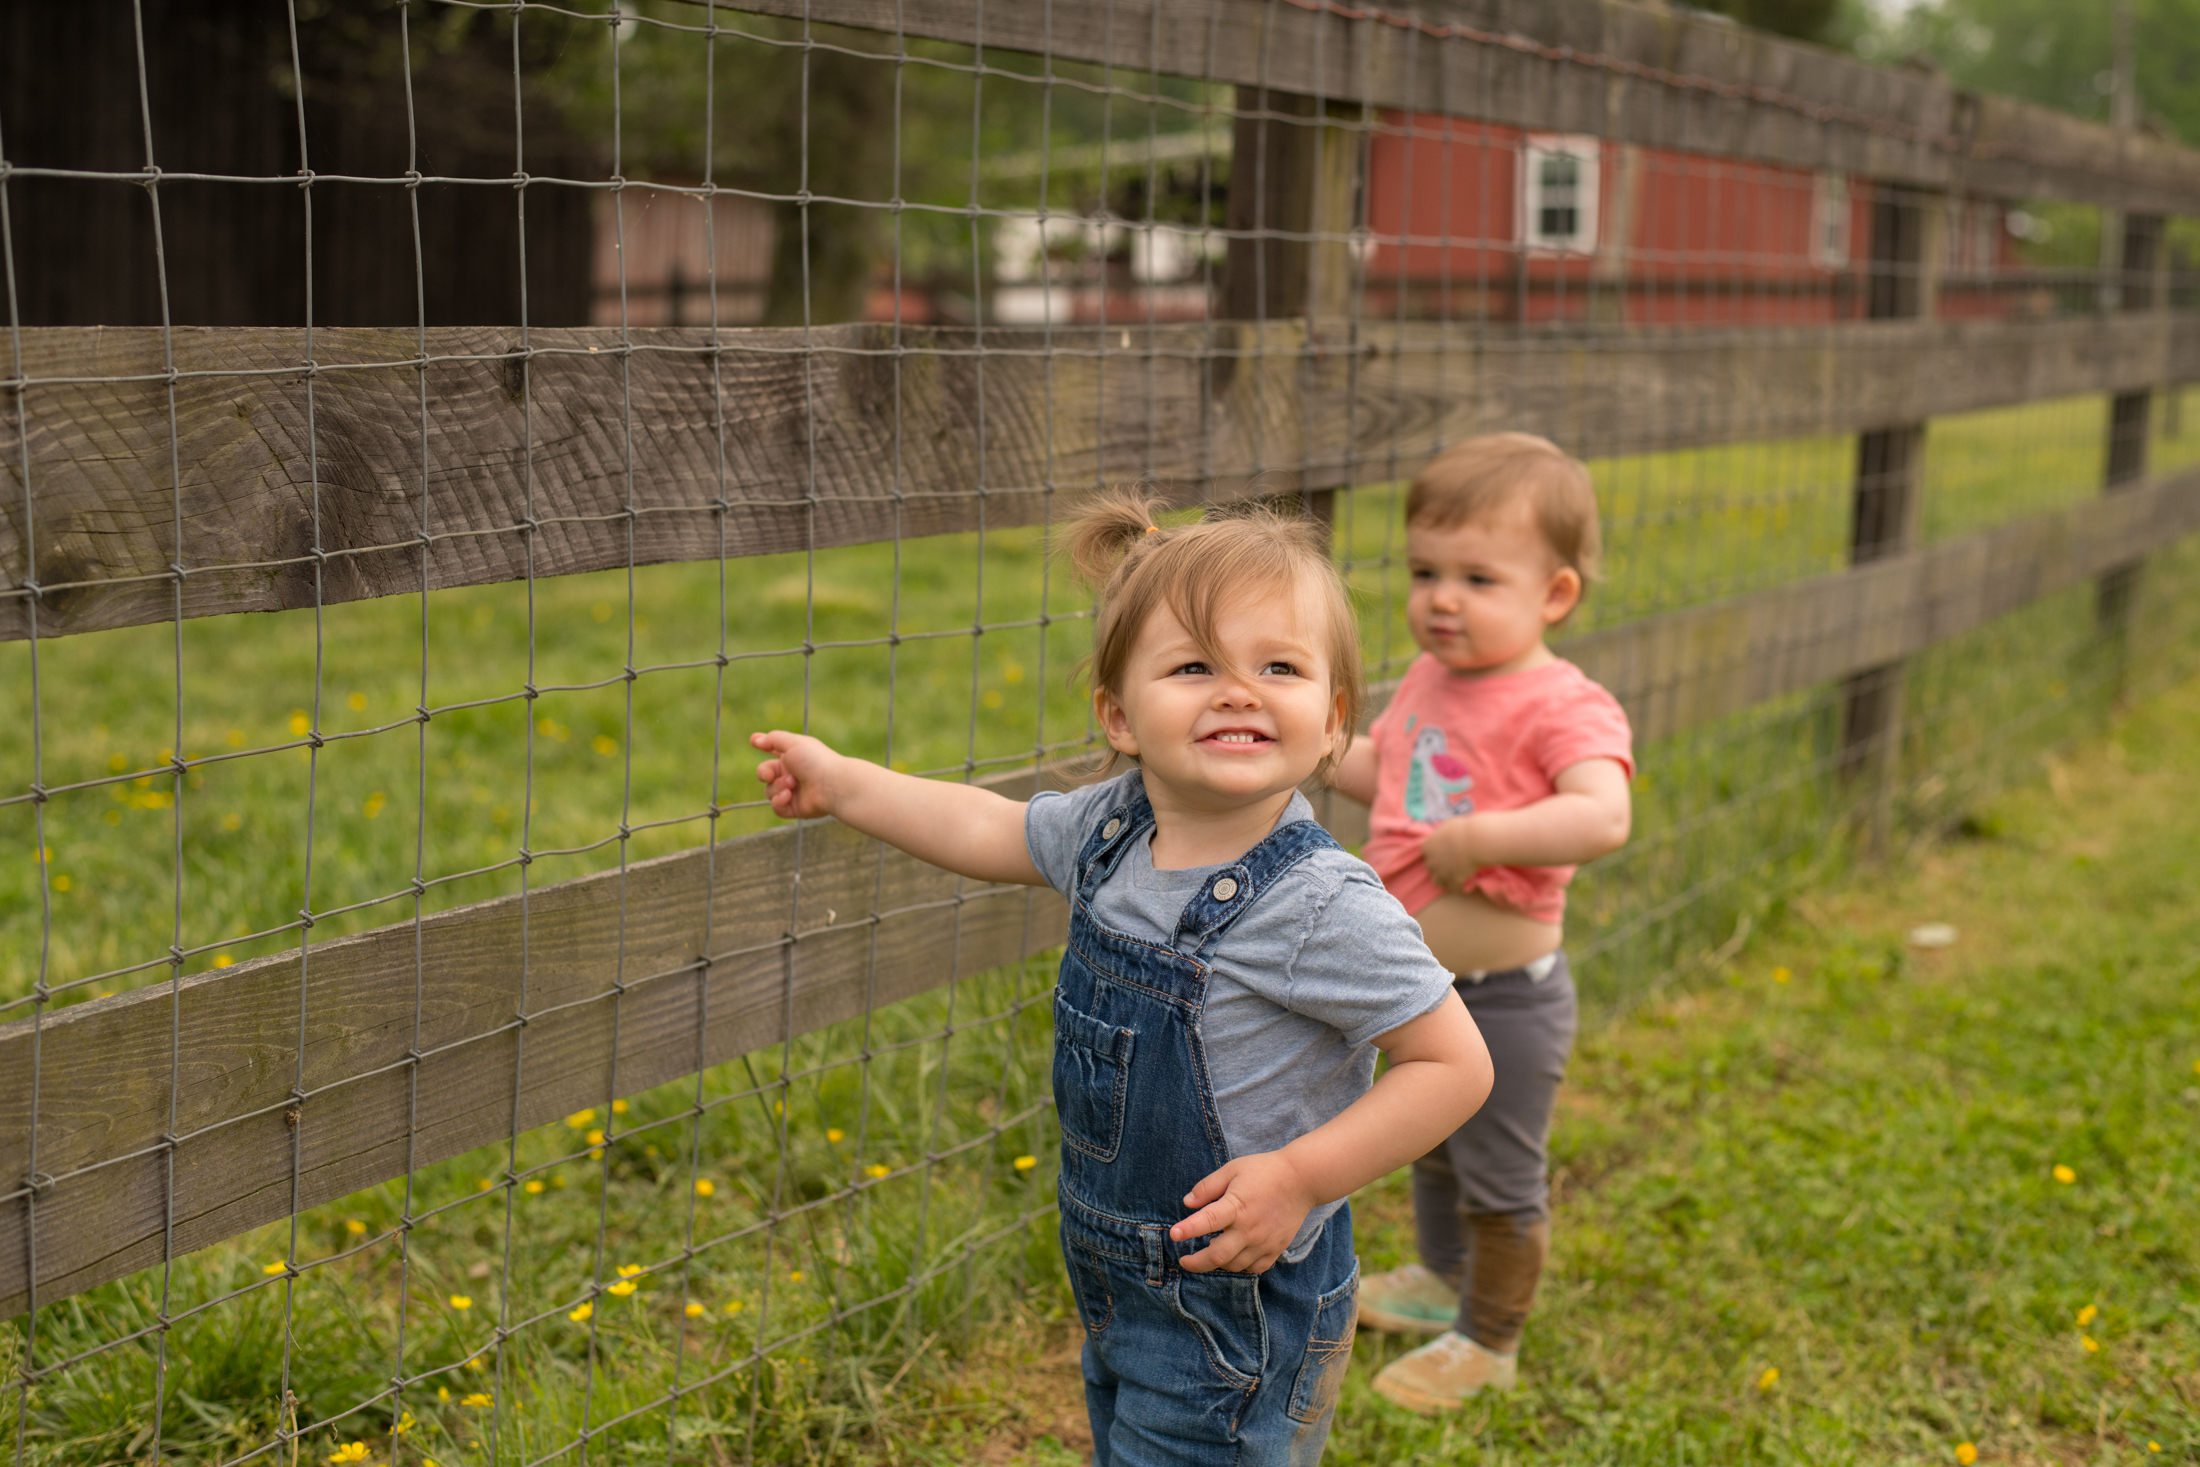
(1830, 221)
(1560, 178)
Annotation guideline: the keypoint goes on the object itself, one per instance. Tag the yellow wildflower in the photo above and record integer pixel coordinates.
(223, 960)
(2092, 1346)
(232, 821)
(461, 1301)
(1781, 975)
(349, 1452)
(442, 1393)
(485, 1185)
(877, 1169)
(580, 1120)
(357, 702)
(733, 1306)
(118, 762)
(1966, 1453)
(354, 1226)
(299, 723)
(375, 804)
(620, 1289)
(236, 738)
(2064, 1174)
(583, 1313)
(478, 1398)
(629, 1270)
(1025, 1163)
(618, 1107)
(404, 1424)
(604, 744)
(61, 883)
(2153, 1446)
(534, 1186)
(796, 1275)
(704, 1186)
(595, 1138)
(272, 1269)
(1769, 1379)
(2088, 1314)
(833, 1134)
(695, 1311)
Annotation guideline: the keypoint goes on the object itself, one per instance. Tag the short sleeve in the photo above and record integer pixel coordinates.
(1362, 967)
(1587, 724)
(1056, 823)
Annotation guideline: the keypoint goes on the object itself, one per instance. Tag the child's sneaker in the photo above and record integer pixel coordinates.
(1443, 1373)
(1408, 1301)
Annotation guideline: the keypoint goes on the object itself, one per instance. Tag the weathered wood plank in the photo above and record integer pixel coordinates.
(862, 927)
(784, 958)
(1656, 77)
(850, 435)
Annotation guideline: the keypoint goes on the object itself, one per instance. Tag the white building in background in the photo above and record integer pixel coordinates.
(1064, 269)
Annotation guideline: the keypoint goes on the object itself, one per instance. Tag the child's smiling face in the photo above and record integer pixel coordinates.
(1483, 593)
(1220, 737)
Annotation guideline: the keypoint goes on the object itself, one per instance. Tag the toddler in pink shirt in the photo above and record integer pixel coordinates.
(1495, 770)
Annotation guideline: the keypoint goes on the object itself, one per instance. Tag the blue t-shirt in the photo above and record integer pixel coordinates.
(1325, 961)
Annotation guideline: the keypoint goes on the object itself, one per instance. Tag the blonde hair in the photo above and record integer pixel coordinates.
(1486, 475)
(1194, 570)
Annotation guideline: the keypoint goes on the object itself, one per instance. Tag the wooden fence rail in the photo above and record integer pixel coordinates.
(854, 434)
(413, 1034)
(1651, 76)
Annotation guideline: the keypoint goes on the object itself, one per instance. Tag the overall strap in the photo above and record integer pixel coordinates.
(1114, 834)
(1233, 890)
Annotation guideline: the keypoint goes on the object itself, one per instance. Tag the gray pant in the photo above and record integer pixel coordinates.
(1481, 1199)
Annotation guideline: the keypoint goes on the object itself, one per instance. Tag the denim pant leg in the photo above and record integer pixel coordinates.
(1498, 1163)
(1226, 1369)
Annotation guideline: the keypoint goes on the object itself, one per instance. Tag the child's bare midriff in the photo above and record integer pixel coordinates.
(1470, 933)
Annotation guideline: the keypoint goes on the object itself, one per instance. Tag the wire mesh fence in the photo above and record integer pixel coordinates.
(419, 1046)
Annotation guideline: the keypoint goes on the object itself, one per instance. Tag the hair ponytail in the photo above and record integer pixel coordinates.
(1110, 527)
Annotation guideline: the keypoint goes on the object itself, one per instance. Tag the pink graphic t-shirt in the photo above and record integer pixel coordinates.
(1450, 744)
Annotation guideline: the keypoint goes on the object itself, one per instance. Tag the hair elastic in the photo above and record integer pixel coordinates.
(1153, 529)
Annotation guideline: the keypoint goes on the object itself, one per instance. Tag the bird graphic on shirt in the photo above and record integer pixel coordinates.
(1436, 781)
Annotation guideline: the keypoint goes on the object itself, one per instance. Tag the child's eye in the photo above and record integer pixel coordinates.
(1191, 669)
(1280, 669)
(1478, 579)
(1421, 573)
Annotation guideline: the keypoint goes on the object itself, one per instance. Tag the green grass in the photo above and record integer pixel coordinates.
(931, 1317)
(1847, 1176)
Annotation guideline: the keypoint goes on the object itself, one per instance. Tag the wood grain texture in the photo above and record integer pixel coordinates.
(863, 926)
(848, 435)
(1655, 77)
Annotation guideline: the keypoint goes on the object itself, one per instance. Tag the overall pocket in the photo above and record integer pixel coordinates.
(1092, 1071)
(1328, 1351)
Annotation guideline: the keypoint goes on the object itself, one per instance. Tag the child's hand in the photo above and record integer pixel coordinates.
(1255, 1203)
(1449, 850)
(801, 777)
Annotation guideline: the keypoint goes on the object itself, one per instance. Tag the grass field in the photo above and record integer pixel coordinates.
(842, 1248)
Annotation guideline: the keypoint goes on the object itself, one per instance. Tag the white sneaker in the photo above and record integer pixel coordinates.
(1411, 1300)
(1444, 1373)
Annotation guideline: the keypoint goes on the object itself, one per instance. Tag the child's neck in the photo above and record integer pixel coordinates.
(1535, 655)
(1189, 833)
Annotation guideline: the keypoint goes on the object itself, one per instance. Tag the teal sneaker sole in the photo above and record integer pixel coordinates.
(1374, 1315)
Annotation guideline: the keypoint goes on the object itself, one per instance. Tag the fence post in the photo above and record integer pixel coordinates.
(1294, 200)
(1902, 281)
(2138, 285)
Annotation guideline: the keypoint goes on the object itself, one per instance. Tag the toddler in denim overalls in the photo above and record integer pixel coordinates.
(1230, 972)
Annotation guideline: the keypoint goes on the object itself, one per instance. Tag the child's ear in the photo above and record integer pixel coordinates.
(1562, 595)
(1113, 722)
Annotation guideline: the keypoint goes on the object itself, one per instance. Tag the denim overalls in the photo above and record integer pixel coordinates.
(1179, 1367)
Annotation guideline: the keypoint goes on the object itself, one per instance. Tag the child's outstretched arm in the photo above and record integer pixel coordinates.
(1589, 817)
(970, 831)
(1439, 1075)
